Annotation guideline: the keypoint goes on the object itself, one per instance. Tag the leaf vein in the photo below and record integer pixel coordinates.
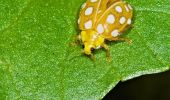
(152, 10)
(150, 50)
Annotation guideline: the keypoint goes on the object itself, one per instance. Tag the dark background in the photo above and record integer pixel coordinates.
(147, 87)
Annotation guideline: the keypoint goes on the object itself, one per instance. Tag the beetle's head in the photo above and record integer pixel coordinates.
(86, 37)
(88, 48)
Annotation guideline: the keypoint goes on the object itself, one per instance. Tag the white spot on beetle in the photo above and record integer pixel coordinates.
(88, 24)
(83, 6)
(115, 33)
(122, 20)
(118, 9)
(127, 9)
(100, 28)
(78, 21)
(129, 21)
(110, 19)
(93, 0)
(89, 11)
(130, 7)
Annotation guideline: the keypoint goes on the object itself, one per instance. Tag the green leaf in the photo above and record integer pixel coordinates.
(37, 62)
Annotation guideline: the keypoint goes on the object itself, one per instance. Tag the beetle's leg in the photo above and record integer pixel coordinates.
(92, 56)
(106, 47)
(120, 39)
(77, 40)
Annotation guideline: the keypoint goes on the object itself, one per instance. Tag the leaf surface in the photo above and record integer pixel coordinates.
(37, 61)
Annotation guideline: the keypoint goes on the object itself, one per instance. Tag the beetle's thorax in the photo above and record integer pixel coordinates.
(91, 39)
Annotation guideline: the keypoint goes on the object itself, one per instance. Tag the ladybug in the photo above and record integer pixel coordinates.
(102, 20)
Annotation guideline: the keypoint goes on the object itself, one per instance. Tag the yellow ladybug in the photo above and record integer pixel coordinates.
(101, 20)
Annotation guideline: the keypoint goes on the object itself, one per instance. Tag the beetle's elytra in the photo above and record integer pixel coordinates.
(101, 20)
